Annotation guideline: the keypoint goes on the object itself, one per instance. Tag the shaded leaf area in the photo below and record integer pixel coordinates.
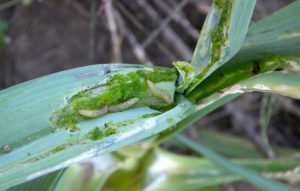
(141, 168)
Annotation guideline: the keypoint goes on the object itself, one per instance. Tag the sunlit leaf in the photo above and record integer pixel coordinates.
(221, 37)
(286, 84)
(277, 34)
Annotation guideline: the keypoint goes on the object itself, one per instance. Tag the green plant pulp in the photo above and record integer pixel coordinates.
(219, 37)
(117, 89)
(229, 74)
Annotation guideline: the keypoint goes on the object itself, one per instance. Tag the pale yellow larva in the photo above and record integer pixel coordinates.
(158, 93)
(6, 148)
(123, 106)
(93, 113)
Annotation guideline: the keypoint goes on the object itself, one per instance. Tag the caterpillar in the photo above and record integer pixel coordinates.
(93, 113)
(113, 108)
(6, 148)
(158, 93)
(122, 106)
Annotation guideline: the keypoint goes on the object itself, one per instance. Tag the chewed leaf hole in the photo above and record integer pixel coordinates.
(119, 92)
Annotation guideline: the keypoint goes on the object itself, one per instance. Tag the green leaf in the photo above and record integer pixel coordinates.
(231, 73)
(286, 84)
(221, 37)
(277, 34)
(32, 146)
(201, 110)
(249, 175)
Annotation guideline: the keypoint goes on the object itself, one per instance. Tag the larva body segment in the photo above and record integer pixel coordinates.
(158, 93)
(123, 106)
(93, 113)
(6, 148)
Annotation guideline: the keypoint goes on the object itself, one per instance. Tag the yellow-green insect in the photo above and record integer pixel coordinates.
(112, 108)
(6, 148)
(123, 106)
(158, 93)
(93, 113)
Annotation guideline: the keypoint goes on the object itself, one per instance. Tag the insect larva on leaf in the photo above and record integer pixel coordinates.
(6, 148)
(93, 113)
(158, 93)
(122, 106)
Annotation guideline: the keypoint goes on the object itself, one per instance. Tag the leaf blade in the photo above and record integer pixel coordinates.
(221, 37)
(286, 84)
(275, 34)
(49, 150)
